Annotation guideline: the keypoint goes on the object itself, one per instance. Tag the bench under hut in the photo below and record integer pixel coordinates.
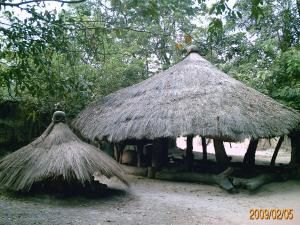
(57, 161)
(191, 98)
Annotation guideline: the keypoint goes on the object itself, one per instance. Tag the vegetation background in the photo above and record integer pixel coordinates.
(67, 58)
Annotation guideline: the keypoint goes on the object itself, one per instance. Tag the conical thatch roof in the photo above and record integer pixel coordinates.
(192, 97)
(58, 152)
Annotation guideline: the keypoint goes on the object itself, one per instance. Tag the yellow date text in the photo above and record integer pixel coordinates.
(271, 214)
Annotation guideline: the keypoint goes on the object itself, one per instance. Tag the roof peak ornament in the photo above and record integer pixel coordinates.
(193, 48)
(59, 116)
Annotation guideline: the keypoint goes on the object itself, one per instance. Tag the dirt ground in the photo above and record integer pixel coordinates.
(156, 202)
(153, 202)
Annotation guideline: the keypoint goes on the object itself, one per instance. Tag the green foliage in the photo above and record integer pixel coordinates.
(97, 47)
(284, 84)
(25, 42)
(263, 51)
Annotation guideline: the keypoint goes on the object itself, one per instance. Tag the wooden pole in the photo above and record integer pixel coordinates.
(295, 144)
(154, 159)
(140, 147)
(204, 147)
(159, 156)
(249, 158)
(155, 154)
(276, 151)
(147, 151)
(164, 151)
(221, 156)
(189, 153)
(118, 151)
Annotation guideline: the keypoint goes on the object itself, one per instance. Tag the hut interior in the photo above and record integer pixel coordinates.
(166, 159)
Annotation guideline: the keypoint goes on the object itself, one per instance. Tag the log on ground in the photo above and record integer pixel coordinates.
(254, 183)
(221, 179)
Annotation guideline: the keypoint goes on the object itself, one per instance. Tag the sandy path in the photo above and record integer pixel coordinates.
(153, 202)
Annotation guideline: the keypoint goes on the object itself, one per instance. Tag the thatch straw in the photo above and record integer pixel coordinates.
(191, 98)
(58, 152)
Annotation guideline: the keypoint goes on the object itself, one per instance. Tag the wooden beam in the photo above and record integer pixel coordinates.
(204, 147)
(276, 151)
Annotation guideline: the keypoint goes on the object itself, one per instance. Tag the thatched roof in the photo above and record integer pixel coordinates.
(58, 152)
(192, 97)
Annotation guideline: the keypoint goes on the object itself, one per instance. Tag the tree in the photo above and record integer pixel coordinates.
(263, 51)
(96, 47)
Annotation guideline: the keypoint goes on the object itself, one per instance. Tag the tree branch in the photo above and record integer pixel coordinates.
(37, 1)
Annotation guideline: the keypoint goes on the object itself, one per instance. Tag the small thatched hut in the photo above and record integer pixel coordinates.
(58, 156)
(191, 98)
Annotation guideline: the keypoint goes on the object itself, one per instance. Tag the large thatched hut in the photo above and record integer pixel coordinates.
(191, 98)
(57, 159)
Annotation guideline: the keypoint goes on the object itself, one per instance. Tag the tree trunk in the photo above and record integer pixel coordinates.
(204, 147)
(295, 144)
(221, 156)
(276, 151)
(189, 153)
(249, 158)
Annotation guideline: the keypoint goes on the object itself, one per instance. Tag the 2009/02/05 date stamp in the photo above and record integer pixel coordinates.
(271, 214)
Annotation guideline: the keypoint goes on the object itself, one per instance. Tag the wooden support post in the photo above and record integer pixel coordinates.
(159, 156)
(118, 151)
(189, 153)
(204, 147)
(140, 147)
(295, 144)
(165, 151)
(221, 156)
(147, 151)
(249, 158)
(276, 151)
